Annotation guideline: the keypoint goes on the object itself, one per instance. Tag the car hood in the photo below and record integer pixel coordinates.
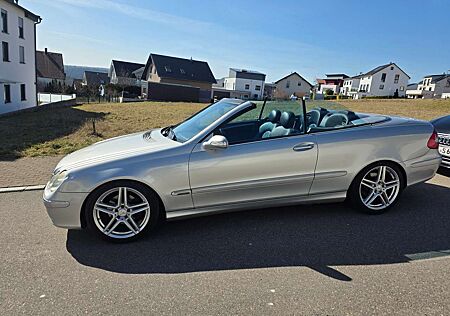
(116, 148)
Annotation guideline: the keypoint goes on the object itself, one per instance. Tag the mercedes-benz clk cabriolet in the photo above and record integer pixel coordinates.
(236, 155)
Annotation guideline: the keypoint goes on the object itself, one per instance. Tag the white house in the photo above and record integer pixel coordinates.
(432, 86)
(248, 83)
(383, 81)
(350, 86)
(17, 57)
(292, 84)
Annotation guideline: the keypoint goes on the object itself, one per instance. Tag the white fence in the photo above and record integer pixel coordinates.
(44, 98)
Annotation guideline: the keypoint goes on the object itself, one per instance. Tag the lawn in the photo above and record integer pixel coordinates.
(51, 131)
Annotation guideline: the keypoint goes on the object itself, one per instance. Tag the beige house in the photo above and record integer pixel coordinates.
(292, 84)
(181, 72)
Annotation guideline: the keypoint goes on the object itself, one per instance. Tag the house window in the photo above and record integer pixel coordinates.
(20, 27)
(5, 51)
(397, 77)
(167, 68)
(247, 87)
(23, 94)
(392, 67)
(402, 88)
(258, 88)
(367, 87)
(21, 54)
(381, 86)
(7, 93)
(288, 84)
(255, 96)
(4, 21)
(383, 77)
(299, 83)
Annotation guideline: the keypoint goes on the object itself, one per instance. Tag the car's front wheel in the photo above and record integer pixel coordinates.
(377, 188)
(122, 211)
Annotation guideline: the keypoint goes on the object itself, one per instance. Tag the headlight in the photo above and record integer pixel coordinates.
(56, 181)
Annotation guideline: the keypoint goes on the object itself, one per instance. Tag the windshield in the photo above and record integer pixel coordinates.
(199, 121)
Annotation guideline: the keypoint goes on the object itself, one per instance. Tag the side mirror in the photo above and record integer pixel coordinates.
(216, 142)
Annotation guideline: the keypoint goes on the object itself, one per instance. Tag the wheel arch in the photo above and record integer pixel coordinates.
(390, 161)
(162, 212)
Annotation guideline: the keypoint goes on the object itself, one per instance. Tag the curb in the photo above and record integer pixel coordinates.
(21, 189)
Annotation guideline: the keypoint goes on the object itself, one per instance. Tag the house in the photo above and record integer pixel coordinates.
(292, 84)
(387, 80)
(122, 73)
(49, 69)
(350, 87)
(177, 79)
(432, 86)
(242, 84)
(95, 79)
(332, 82)
(75, 74)
(269, 90)
(17, 57)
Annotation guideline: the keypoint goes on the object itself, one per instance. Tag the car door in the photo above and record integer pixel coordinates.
(253, 171)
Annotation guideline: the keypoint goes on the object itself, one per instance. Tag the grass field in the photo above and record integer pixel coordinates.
(63, 130)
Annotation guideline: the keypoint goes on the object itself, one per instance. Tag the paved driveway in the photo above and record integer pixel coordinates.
(322, 259)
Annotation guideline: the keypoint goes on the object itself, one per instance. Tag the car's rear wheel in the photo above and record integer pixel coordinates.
(122, 211)
(377, 188)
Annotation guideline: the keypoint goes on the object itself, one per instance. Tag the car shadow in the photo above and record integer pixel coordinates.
(444, 171)
(314, 236)
(23, 130)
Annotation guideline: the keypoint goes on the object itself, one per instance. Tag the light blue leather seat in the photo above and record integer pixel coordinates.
(273, 119)
(287, 121)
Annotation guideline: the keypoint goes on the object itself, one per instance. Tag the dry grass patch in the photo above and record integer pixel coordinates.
(420, 109)
(64, 130)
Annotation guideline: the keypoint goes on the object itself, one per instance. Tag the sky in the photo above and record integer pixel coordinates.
(273, 37)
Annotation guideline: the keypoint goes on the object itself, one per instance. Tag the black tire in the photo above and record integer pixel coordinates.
(93, 219)
(355, 197)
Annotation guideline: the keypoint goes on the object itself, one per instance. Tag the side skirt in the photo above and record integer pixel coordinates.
(225, 208)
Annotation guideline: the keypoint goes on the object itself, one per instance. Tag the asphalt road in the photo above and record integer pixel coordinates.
(305, 260)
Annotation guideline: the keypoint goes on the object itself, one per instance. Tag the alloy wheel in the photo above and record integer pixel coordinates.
(121, 212)
(379, 187)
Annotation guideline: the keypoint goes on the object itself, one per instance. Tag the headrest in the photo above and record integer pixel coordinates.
(336, 119)
(274, 116)
(287, 119)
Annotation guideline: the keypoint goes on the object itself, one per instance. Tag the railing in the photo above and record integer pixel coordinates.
(44, 98)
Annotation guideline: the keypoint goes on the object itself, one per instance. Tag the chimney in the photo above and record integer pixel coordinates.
(45, 50)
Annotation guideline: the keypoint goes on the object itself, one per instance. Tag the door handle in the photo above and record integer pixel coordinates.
(303, 146)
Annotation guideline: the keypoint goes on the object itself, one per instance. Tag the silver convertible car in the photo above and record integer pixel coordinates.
(236, 155)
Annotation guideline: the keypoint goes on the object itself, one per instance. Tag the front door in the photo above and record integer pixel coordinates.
(253, 171)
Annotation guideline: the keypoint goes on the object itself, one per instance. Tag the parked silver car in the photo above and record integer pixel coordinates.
(235, 155)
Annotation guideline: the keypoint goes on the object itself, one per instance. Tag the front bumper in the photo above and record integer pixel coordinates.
(64, 209)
